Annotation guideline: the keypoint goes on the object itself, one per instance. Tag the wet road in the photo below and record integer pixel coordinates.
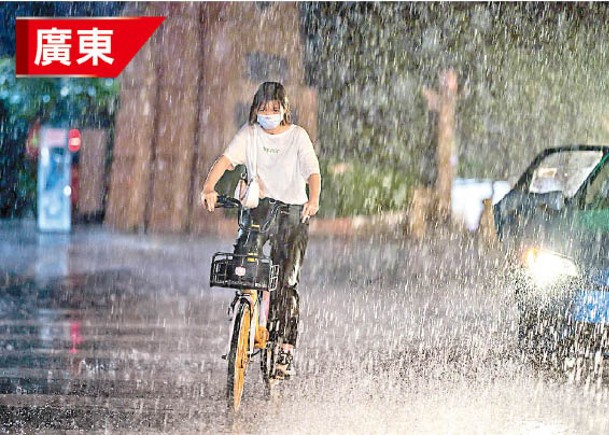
(121, 333)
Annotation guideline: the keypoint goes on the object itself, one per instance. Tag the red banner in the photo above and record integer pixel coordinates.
(80, 47)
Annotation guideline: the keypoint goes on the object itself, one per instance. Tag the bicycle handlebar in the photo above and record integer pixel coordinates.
(225, 201)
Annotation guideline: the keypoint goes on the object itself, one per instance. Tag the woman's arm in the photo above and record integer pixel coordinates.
(312, 206)
(209, 196)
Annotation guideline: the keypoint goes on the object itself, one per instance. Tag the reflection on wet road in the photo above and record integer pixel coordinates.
(90, 351)
(121, 333)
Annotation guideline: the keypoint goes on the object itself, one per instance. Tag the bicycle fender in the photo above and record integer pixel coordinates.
(242, 299)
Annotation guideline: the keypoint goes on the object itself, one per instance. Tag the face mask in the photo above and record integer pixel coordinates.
(269, 122)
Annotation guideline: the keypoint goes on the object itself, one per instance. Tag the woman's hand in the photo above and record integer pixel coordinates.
(209, 197)
(310, 208)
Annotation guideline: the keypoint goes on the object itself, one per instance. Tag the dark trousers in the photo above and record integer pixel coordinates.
(288, 238)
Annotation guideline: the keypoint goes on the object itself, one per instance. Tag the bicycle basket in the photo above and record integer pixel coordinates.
(243, 272)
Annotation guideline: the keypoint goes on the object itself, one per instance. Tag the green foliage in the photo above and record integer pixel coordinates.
(71, 101)
(350, 189)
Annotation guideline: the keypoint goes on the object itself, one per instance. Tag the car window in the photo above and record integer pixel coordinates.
(564, 172)
(597, 194)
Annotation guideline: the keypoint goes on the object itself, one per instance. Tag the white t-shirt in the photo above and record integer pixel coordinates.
(284, 161)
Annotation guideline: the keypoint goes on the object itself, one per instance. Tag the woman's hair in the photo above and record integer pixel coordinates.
(270, 91)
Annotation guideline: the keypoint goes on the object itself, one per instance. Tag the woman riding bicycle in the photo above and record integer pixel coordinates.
(281, 161)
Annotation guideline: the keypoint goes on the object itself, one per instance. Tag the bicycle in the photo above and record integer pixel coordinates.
(254, 276)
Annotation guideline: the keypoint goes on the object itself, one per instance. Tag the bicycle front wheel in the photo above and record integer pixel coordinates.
(238, 358)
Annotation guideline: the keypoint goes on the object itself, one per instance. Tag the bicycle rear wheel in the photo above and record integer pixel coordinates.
(238, 358)
(266, 361)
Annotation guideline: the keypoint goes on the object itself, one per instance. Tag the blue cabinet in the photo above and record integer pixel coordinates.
(54, 191)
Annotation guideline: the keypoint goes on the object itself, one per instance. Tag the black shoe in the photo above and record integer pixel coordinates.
(284, 369)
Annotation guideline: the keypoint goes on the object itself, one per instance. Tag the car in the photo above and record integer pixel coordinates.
(554, 224)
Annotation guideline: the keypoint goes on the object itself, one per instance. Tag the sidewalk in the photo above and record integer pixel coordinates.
(335, 249)
(24, 251)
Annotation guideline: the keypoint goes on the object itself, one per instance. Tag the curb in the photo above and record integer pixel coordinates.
(393, 223)
(390, 224)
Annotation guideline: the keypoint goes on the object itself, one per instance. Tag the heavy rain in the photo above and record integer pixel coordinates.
(455, 279)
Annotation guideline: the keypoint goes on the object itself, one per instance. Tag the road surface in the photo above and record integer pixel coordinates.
(120, 333)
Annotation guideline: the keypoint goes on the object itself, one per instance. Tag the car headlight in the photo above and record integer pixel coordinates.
(547, 268)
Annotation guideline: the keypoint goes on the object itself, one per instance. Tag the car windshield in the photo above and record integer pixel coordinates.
(564, 171)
